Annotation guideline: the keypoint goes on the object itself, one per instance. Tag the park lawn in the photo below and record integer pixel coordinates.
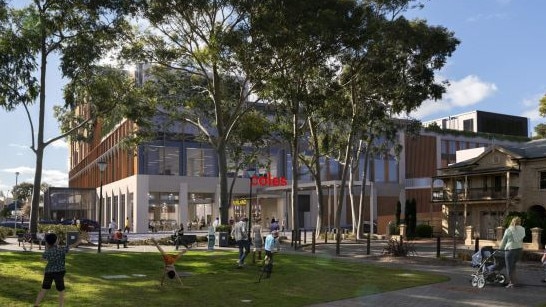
(214, 280)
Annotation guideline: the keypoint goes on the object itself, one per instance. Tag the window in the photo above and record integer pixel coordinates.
(542, 183)
(498, 183)
(201, 162)
(161, 160)
(468, 125)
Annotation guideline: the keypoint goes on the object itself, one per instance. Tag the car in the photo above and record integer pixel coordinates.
(365, 227)
(86, 224)
(14, 224)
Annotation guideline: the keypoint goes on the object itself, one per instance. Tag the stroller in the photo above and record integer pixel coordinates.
(489, 263)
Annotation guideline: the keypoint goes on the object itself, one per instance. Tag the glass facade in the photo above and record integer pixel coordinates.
(68, 203)
(163, 211)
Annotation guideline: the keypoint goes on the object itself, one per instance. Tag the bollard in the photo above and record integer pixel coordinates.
(476, 244)
(326, 236)
(338, 243)
(438, 247)
(313, 241)
(304, 236)
(292, 238)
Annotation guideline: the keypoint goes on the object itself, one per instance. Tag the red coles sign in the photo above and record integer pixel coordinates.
(268, 180)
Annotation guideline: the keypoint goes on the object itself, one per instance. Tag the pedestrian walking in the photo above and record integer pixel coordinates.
(274, 225)
(216, 223)
(512, 244)
(127, 227)
(112, 226)
(240, 234)
(257, 242)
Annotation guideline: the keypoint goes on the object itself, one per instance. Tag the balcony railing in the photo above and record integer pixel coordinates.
(474, 194)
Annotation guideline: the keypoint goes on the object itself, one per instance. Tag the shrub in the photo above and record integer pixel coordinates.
(60, 231)
(393, 229)
(423, 231)
(399, 248)
(223, 228)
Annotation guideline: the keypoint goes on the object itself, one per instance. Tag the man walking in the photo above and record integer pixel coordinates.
(240, 233)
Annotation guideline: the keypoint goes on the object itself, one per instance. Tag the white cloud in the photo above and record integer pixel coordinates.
(468, 91)
(59, 144)
(19, 146)
(460, 93)
(52, 177)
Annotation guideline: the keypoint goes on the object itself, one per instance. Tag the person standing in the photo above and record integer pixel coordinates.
(216, 223)
(257, 242)
(512, 244)
(274, 225)
(55, 269)
(112, 226)
(270, 247)
(127, 227)
(240, 233)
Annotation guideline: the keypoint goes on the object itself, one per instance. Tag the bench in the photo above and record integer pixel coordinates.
(107, 239)
(185, 240)
(23, 238)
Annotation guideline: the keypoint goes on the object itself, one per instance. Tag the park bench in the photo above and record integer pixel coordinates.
(23, 238)
(107, 239)
(185, 240)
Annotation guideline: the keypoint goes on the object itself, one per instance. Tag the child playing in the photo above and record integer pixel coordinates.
(169, 260)
(55, 267)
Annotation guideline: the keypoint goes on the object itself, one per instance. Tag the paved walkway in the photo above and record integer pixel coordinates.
(456, 292)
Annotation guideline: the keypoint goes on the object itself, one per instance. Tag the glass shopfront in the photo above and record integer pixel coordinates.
(163, 211)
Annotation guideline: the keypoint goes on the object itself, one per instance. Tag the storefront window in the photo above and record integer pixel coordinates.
(199, 211)
(163, 211)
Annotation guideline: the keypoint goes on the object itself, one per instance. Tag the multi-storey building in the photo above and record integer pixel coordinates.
(485, 122)
(479, 191)
(422, 157)
(173, 179)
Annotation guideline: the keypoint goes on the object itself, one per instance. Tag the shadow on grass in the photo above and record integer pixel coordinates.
(213, 279)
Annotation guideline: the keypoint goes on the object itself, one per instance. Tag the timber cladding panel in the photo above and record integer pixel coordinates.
(421, 157)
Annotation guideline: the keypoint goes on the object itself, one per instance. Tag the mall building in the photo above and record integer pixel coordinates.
(173, 179)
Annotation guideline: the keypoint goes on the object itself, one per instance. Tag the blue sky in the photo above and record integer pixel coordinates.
(498, 67)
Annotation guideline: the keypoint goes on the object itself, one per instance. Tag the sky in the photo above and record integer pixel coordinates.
(499, 66)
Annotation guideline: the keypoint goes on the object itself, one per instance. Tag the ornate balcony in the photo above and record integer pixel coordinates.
(473, 194)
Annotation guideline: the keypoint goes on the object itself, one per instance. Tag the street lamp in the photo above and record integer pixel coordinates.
(250, 174)
(102, 167)
(15, 203)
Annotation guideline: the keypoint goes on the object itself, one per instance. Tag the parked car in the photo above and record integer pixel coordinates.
(48, 222)
(365, 227)
(86, 224)
(14, 224)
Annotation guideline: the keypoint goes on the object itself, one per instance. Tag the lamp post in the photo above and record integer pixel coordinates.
(102, 167)
(15, 203)
(250, 174)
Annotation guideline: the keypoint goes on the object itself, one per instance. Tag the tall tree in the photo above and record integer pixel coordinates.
(540, 129)
(79, 32)
(389, 70)
(292, 43)
(192, 43)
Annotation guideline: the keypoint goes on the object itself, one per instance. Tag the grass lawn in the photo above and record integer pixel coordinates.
(214, 280)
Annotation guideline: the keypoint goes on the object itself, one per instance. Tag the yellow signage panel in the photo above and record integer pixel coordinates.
(239, 202)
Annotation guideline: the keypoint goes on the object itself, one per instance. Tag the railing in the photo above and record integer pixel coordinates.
(474, 194)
